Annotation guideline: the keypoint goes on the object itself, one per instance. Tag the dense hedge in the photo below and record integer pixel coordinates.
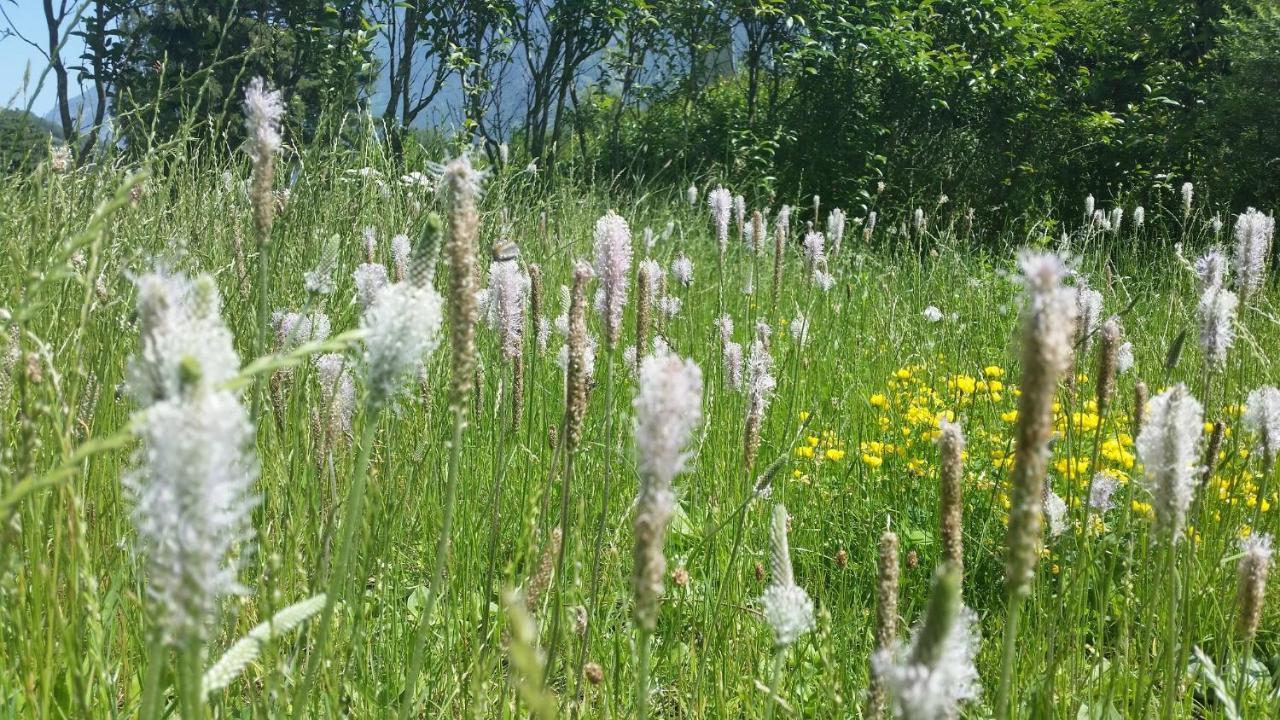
(1018, 104)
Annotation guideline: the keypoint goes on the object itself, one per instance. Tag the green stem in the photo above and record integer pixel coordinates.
(151, 682)
(1003, 709)
(338, 572)
(642, 674)
(437, 573)
(592, 603)
(775, 680)
(1171, 630)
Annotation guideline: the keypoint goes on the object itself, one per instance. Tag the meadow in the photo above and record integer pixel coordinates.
(241, 389)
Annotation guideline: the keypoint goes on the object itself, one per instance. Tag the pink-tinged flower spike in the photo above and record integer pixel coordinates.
(1262, 417)
(1088, 315)
(1254, 232)
(721, 203)
(1211, 268)
(732, 357)
(815, 253)
(1217, 315)
(1188, 194)
(509, 290)
(461, 184)
(835, 226)
(401, 254)
(1169, 448)
(740, 214)
(263, 109)
(1048, 319)
(613, 267)
(760, 387)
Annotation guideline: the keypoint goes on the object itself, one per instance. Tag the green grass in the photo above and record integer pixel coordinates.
(74, 627)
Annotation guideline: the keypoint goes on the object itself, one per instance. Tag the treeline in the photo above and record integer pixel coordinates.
(1008, 103)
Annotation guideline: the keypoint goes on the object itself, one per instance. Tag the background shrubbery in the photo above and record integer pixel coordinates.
(1011, 105)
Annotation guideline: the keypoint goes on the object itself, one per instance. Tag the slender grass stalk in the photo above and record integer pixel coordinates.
(597, 549)
(337, 583)
(437, 573)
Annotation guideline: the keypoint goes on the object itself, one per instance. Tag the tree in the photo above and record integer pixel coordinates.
(175, 68)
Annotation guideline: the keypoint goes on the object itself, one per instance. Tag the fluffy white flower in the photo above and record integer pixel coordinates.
(370, 278)
(692, 194)
(180, 324)
(1168, 448)
(1104, 486)
(402, 330)
(191, 505)
(337, 391)
(294, 329)
(1254, 232)
(824, 280)
(1262, 417)
(1211, 268)
(814, 249)
(401, 253)
(733, 365)
(922, 691)
(509, 288)
(800, 329)
(1217, 315)
(720, 201)
(1055, 509)
(1139, 216)
(1188, 194)
(263, 109)
(668, 407)
(682, 269)
(613, 267)
(932, 314)
(1124, 357)
(789, 612)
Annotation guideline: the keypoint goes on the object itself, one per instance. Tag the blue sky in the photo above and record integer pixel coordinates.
(27, 17)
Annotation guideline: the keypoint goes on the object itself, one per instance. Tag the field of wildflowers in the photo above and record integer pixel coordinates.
(344, 441)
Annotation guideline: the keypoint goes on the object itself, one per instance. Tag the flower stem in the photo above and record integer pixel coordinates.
(1003, 710)
(338, 572)
(437, 573)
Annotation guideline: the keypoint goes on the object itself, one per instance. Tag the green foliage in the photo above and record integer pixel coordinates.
(24, 140)
(1015, 104)
(177, 69)
(1244, 154)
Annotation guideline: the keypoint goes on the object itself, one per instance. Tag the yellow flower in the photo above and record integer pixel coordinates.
(964, 383)
(804, 451)
(1009, 417)
(834, 454)
(903, 374)
(993, 371)
(813, 441)
(916, 466)
(1143, 509)
(804, 415)
(879, 400)
(872, 461)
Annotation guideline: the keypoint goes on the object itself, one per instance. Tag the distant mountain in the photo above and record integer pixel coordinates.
(82, 107)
